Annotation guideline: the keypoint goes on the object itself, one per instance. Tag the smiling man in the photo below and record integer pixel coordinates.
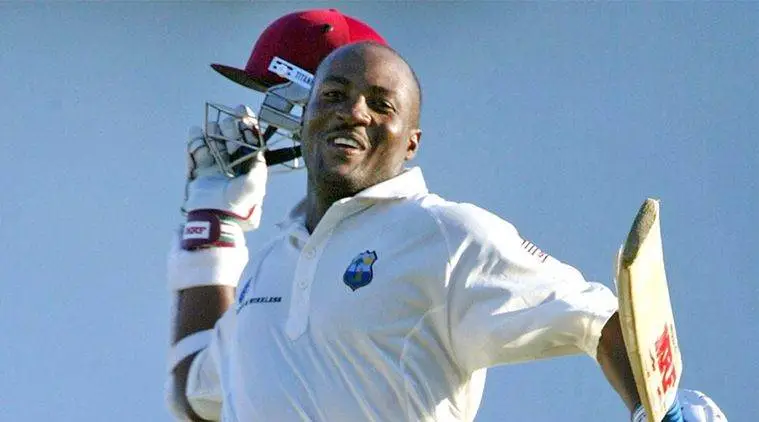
(360, 126)
(378, 300)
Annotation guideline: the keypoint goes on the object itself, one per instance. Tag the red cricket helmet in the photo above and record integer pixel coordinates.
(302, 38)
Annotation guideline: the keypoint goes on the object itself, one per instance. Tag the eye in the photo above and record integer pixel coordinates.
(333, 95)
(382, 106)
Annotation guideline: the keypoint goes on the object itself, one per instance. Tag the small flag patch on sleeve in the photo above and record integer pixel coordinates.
(534, 250)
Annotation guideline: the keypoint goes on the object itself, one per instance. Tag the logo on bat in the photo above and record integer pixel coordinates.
(664, 361)
(360, 273)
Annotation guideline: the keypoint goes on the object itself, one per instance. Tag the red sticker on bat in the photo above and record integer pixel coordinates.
(665, 362)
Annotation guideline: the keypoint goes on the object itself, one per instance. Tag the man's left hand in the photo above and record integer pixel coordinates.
(694, 405)
(697, 407)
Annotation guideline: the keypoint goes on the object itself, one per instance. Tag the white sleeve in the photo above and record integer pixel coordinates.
(510, 302)
(204, 388)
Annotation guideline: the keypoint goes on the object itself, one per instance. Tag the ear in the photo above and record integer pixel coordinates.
(415, 137)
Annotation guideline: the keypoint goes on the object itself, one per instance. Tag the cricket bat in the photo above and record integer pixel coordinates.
(648, 324)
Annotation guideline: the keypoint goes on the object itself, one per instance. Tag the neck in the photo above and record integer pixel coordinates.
(318, 200)
(322, 193)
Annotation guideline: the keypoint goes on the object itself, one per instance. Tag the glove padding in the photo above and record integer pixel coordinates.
(697, 407)
(694, 405)
(208, 188)
(209, 249)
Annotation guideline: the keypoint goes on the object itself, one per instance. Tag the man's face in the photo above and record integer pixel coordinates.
(360, 122)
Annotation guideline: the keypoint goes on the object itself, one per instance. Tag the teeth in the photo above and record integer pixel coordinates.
(347, 142)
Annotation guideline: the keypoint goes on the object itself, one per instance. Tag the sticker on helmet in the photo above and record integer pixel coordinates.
(291, 72)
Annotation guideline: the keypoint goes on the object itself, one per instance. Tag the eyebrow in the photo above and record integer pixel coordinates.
(345, 81)
(337, 79)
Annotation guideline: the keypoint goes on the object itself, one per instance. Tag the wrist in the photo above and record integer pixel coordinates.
(211, 228)
(207, 265)
(638, 414)
(674, 414)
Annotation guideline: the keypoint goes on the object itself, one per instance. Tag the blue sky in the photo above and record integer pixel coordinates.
(560, 117)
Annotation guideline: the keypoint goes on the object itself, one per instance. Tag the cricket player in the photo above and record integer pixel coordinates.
(378, 300)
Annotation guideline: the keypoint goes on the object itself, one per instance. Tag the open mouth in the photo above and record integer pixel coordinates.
(348, 143)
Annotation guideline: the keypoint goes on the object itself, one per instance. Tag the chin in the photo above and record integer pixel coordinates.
(341, 179)
(331, 170)
(335, 178)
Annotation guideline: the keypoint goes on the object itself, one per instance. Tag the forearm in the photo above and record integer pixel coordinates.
(207, 258)
(197, 309)
(612, 357)
(202, 281)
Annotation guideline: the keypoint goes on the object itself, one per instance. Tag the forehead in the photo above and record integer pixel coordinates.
(366, 66)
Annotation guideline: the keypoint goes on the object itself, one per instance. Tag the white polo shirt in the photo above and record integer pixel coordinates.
(390, 311)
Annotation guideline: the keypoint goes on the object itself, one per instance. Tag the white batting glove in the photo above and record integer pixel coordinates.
(210, 247)
(697, 407)
(694, 405)
(209, 189)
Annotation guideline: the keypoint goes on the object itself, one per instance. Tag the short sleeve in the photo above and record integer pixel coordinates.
(510, 302)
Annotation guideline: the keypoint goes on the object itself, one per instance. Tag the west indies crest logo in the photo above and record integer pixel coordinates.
(359, 273)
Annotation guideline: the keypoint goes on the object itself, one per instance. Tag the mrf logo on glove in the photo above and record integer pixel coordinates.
(197, 230)
(208, 228)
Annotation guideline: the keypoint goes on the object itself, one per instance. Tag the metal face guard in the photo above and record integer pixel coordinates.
(279, 122)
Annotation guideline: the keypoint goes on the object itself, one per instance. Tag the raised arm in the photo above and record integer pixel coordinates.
(208, 257)
(510, 302)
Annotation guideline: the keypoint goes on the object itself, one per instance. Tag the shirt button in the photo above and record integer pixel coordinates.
(310, 253)
(302, 283)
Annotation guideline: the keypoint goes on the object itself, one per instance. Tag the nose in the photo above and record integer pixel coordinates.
(355, 111)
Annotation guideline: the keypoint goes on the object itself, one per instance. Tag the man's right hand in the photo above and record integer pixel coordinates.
(210, 249)
(208, 189)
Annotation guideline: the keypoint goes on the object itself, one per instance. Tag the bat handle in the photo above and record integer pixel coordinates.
(675, 413)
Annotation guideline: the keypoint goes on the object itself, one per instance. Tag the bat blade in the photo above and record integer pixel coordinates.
(648, 324)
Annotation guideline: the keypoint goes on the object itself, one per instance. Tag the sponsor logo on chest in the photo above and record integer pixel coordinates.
(243, 301)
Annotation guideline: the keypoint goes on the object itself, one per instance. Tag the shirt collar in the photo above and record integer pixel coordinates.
(407, 184)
